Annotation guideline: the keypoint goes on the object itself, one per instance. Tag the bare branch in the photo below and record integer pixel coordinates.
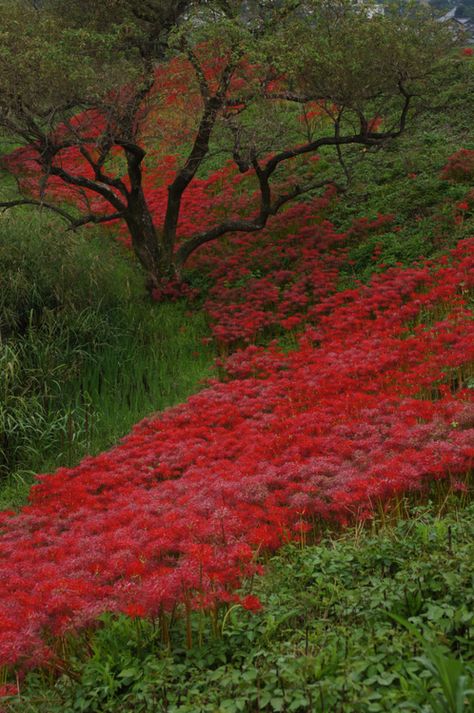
(95, 219)
(243, 164)
(94, 186)
(5, 205)
(267, 210)
(201, 77)
(198, 153)
(263, 174)
(364, 137)
(290, 97)
(75, 222)
(337, 133)
(97, 166)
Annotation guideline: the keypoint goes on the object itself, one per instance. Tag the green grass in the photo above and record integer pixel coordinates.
(376, 620)
(84, 354)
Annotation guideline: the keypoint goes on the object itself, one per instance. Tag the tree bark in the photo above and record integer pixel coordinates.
(145, 240)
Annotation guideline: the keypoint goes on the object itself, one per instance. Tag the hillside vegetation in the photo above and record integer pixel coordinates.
(327, 637)
(248, 489)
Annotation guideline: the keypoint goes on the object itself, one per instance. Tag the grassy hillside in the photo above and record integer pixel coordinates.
(406, 180)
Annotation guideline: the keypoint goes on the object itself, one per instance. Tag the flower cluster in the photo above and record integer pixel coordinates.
(376, 402)
(268, 283)
(460, 167)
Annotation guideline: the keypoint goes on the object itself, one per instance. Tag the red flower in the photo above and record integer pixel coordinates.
(134, 611)
(251, 603)
(8, 689)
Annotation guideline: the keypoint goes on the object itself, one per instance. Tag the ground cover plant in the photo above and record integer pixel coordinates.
(330, 635)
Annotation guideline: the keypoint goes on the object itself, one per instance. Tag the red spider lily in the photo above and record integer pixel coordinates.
(373, 404)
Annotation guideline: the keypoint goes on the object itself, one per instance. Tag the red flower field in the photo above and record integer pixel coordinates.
(375, 403)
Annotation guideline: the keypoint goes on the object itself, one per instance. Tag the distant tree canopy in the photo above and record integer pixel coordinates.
(124, 108)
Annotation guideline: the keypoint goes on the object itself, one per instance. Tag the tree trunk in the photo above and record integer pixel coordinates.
(146, 244)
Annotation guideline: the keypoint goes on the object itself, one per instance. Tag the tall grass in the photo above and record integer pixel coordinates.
(83, 354)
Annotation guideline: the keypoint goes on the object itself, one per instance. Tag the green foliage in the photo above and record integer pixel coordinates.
(357, 53)
(83, 356)
(405, 180)
(328, 638)
(46, 63)
(450, 674)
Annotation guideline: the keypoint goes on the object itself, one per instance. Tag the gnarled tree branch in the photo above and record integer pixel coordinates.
(74, 221)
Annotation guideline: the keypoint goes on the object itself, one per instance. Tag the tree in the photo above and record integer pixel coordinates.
(87, 104)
